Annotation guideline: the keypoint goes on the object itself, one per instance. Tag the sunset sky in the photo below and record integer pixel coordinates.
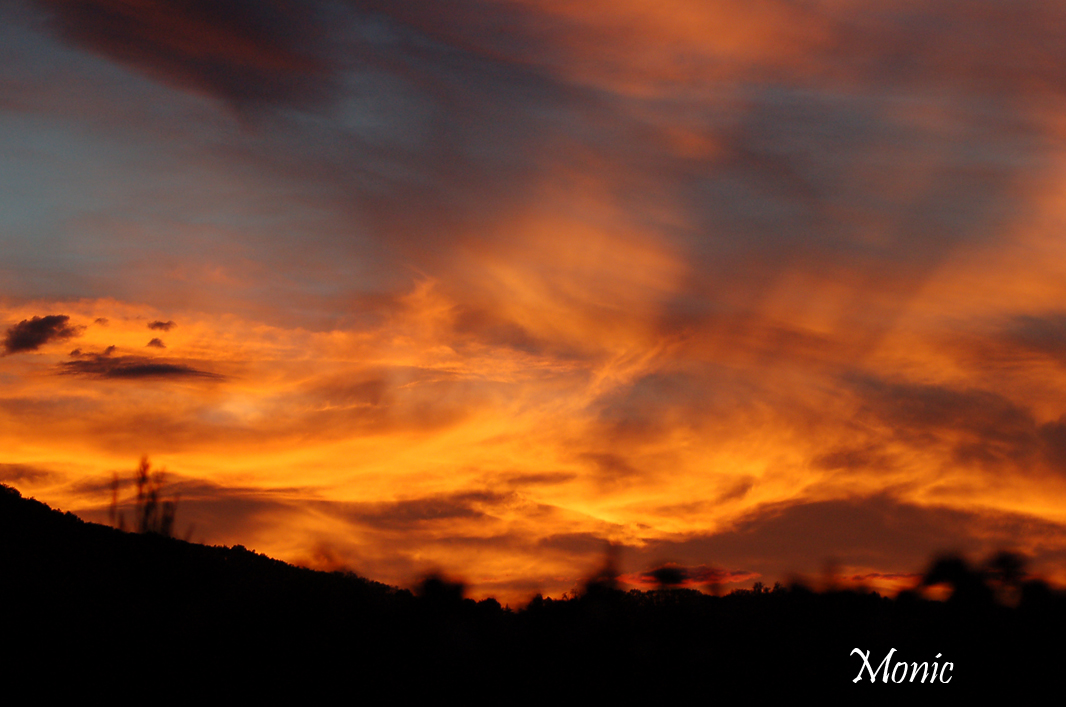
(756, 287)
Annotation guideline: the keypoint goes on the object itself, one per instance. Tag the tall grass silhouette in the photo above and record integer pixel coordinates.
(152, 512)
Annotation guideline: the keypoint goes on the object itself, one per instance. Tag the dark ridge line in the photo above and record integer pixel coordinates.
(83, 598)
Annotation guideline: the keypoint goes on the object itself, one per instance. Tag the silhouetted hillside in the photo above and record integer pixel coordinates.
(88, 602)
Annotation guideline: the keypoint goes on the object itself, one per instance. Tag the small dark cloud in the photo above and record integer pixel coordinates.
(102, 321)
(738, 490)
(164, 326)
(851, 458)
(400, 515)
(157, 343)
(104, 365)
(611, 467)
(32, 334)
(23, 473)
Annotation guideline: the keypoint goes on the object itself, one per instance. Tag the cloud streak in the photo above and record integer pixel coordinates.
(247, 53)
(108, 366)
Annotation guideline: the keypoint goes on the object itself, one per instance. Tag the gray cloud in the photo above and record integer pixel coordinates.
(480, 111)
(248, 53)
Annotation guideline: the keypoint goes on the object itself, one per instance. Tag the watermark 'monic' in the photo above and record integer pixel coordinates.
(900, 670)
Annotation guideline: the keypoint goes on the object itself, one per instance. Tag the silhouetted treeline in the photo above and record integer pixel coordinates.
(87, 600)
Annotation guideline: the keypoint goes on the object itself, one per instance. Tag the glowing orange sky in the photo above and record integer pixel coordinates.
(746, 287)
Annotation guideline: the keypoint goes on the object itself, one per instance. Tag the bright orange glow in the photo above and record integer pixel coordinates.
(325, 436)
(749, 286)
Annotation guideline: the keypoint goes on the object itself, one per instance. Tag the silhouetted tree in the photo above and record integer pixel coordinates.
(968, 586)
(669, 576)
(439, 591)
(153, 513)
(606, 579)
(1005, 571)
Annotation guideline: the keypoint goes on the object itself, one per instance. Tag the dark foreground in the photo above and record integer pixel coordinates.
(87, 608)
